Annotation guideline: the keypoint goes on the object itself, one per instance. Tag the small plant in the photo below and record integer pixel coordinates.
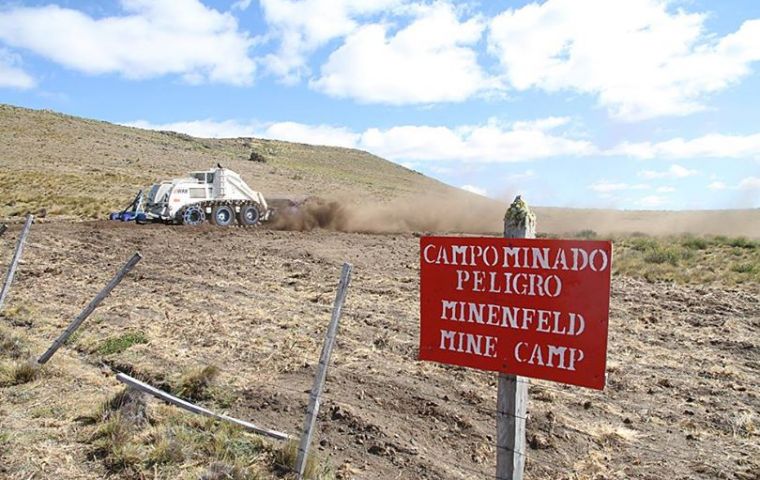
(195, 383)
(121, 343)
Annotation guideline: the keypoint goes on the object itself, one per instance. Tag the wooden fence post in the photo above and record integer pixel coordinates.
(319, 380)
(16, 258)
(512, 396)
(90, 308)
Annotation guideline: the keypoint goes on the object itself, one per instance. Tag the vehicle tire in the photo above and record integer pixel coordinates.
(249, 215)
(222, 215)
(193, 215)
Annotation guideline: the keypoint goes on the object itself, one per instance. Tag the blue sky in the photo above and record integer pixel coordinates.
(635, 104)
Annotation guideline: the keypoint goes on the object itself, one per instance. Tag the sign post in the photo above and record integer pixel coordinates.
(520, 306)
(512, 394)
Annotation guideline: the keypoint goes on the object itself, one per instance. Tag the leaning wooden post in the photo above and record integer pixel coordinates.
(319, 380)
(90, 308)
(512, 397)
(16, 258)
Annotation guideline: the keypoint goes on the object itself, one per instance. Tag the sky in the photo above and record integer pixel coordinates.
(631, 104)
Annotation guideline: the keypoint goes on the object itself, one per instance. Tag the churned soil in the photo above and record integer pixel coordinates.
(683, 361)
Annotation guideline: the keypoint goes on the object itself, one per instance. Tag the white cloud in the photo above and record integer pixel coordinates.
(714, 145)
(666, 189)
(11, 75)
(152, 38)
(604, 186)
(487, 143)
(749, 183)
(430, 60)
(642, 60)
(313, 134)
(675, 171)
(476, 190)
(490, 142)
(301, 27)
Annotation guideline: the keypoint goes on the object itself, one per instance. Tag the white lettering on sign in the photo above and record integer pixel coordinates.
(533, 258)
(548, 355)
(544, 321)
(483, 345)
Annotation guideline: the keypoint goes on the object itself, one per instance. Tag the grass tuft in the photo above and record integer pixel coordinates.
(195, 383)
(19, 373)
(285, 459)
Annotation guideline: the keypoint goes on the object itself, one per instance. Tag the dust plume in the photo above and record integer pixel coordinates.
(431, 213)
(471, 214)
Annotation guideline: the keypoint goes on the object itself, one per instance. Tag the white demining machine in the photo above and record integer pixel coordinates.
(218, 195)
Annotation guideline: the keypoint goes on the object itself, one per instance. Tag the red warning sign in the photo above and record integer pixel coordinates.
(532, 307)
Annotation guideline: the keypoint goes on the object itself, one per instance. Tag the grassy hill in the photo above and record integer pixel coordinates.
(84, 168)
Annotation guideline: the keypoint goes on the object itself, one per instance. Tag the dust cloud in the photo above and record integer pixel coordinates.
(470, 214)
(414, 214)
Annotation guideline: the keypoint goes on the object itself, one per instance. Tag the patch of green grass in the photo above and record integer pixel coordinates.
(121, 343)
(688, 259)
(671, 254)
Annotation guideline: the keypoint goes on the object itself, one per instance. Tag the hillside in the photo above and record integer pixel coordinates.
(60, 162)
(79, 168)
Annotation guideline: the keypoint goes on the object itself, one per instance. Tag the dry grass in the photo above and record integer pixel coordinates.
(174, 444)
(286, 456)
(195, 383)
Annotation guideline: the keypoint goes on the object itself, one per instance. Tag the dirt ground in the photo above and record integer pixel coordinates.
(683, 362)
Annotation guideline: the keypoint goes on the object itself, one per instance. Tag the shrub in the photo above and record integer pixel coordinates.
(658, 255)
(742, 242)
(695, 243)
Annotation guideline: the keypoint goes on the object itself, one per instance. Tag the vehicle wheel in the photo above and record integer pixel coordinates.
(223, 215)
(249, 215)
(193, 215)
